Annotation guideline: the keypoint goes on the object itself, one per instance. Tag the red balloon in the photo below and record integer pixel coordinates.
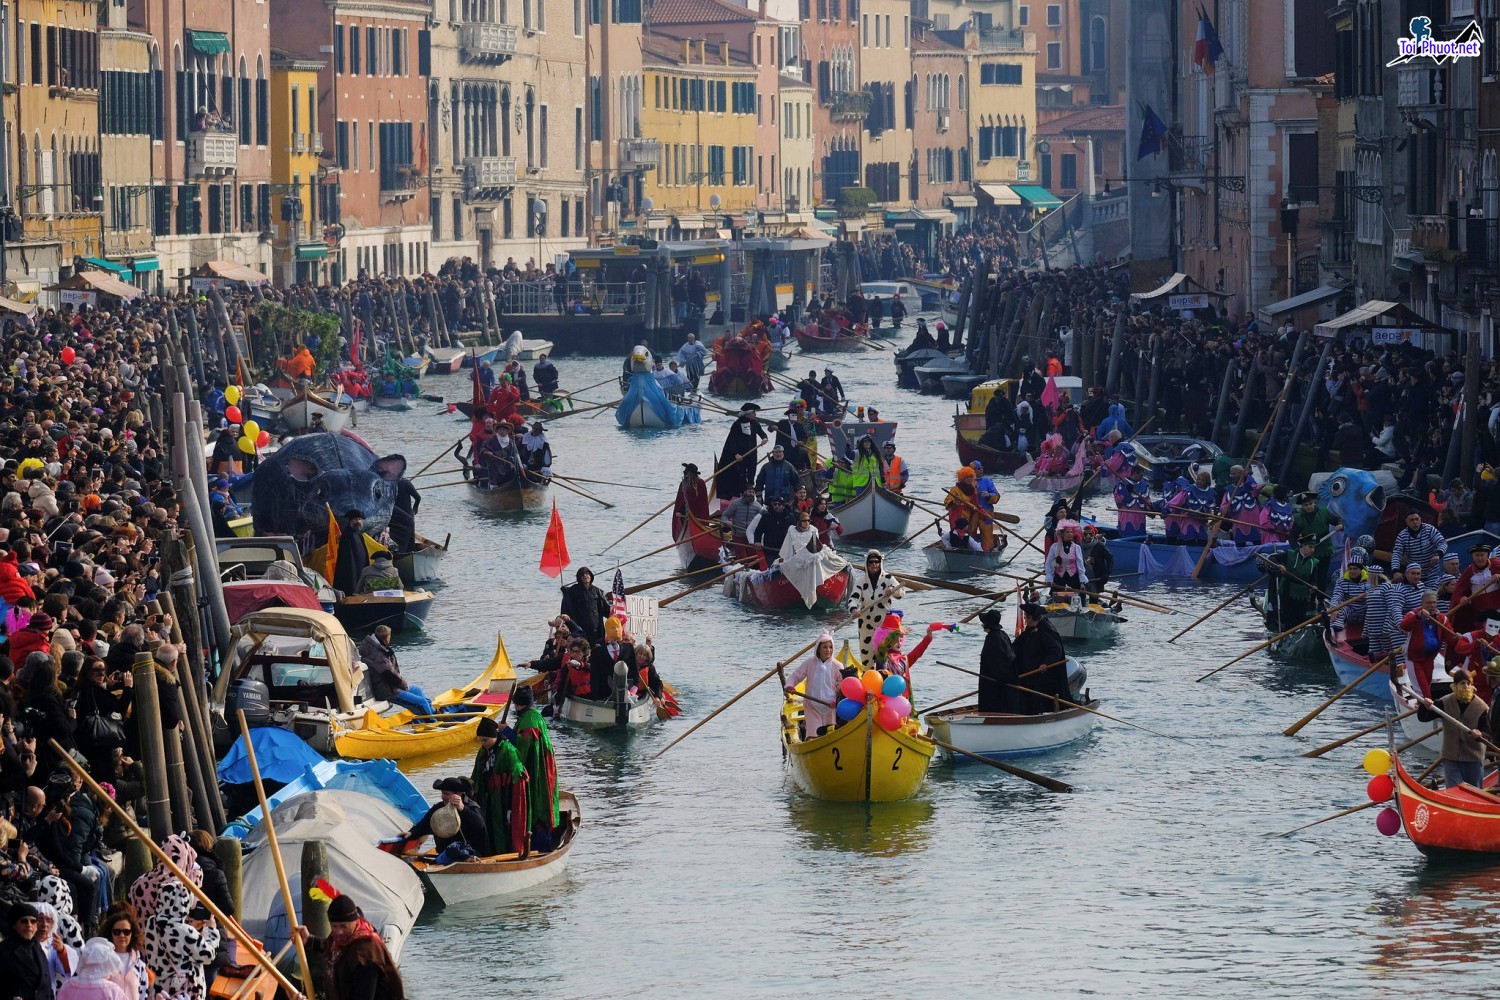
(888, 719)
(233, 413)
(68, 354)
(1380, 788)
(263, 439)
(851, 688)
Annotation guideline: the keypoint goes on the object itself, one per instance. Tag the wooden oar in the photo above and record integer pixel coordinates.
(1220, 607)
(930, 503)
(975, 614)
(935, 524)
(1192, 515)
(669, 505)
(1282, 635)
(1213, 531)
(735, 568)
(1296, 727)
(1352, 809)
(1051, 784)
(1320, 751)
(1095, 711)
(606, 482)
(583, 493)
(1431, 706)
(669, 545)
(445, 451)
(638, 588)
(945, 704)
(761, 680)
(961, 588)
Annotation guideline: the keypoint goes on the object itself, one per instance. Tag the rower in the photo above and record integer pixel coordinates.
(1295, 575)
(1478, 647)
(997, 667)
(1387, 606)
(1476, 593)
(1463, 751)
(1352, 582)
(1422, 544)
(832, 389)
(987, 495)
(769, 528)
(1132, 500)
(1242, 506)
(544, 374)
(534, 748)
(1447, 578)
(1428, 634)
(819, 676)
(741, 513)
(497, 776)
(1276, 516)
(1041, 662)
(536, 451)
(455, 818)
(1097, 559)
(1312, 518)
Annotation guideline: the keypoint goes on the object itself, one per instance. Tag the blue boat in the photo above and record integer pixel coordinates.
(380, 779)
(1160, 556)
(1349, 664)
(646, 405)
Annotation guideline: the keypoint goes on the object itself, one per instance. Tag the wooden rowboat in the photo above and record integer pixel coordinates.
(421, 564)
(697, 542)
(501, 874)
(417, 364)
(1087, 623)
(509, 497)
(811, 339)
(406, 612)
(1447, 823)
(875, 514)
(1001, 734)
(446, 360)
(945, 560)
(858, 761)
(397, 403)
(297, 412)
(1350, 664)
(775, 592)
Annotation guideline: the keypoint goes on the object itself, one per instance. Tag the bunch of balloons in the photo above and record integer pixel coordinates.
(889, 694)
(1381, 788)
(253, 437)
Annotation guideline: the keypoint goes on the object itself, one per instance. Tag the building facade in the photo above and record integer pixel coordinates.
(619, 156)
(127, 103)
(886, 139)
(940, 134)
(299, 250)
(830, 57)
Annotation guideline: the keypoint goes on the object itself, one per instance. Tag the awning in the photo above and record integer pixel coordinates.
(1318, 295)
(96, 281)
(657, 222)
(915, 215)
(142, 264)
(226, 270)
(1000, 194)
(962, 201)
(19, 308)
(689, 221)
(107, 265)
(312, 251)
(208, 43)
(1039, 197)
(1389, 313)
(1404, 262)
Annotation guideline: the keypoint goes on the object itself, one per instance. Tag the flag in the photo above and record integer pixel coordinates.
(1153, 131)
(1207, 49)
(332, 548)
(555, 548)
(617, 598)
(1050, 393)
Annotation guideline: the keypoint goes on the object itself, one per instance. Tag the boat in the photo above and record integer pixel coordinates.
(515, 346)
(1350, 664)
(297, 412)
(774, 592)
(415, 364)
(397, 403)
(858, 761)
(266, 571)
(1303, 646)
(1076, 622)
(930, 375)
(813, 339)
(380, 779)
(697, 542)
(875, 514)
(625, 711)
(909, 360)
(507, 498)
(403, 733)
(941, 559)
(1447, 823)
(780, 359)
(932, 291)
(960, 386)
(739, 370)
(420, 565)
(969, 427)
(401, 612)
(844, 435)
(1001, 735)
(532, 349)
(446, 360)
(1158, 555)
(646, 405)
(501, 874)
(1430, 733)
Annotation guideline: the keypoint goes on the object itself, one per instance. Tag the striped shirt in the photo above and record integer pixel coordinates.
(1344, 590)
(1426, 548)
(1384, 609)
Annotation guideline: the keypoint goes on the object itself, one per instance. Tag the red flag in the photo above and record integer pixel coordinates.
(555, 548)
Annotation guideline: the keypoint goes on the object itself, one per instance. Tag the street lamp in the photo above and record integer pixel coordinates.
(539, 226)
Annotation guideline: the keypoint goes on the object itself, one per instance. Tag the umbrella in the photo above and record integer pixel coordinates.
(281, 754)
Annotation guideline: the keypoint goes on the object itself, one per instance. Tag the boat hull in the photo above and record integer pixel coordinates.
(421, 565)
(959, 386)
(508, 499)
(857, 762)
(637, 712)
(998, 462)
(1000, 735)
(776, 593)
(297, 413)
(875, 514)
(779, 361)
(1087, 625)
(1164, 558)
(486, 878)
(812, 343)
(1454, 821)
(446, 360)
(697, 543)
(1349, 664)
(407, 613)
(396, 403)
(959, 561)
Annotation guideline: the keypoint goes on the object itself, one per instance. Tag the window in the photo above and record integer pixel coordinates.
(262, 107)
(1098, 45)
(742, 156)
(507, 220)
(578, 217)
(625, 11)
(244, 117)
(458, 217)
(1302, 168)
(1054, 55)
(1002, 74)
(1054, 15)
(371, 55)
(542, 128)
(577, 138)
(161, 210)
(716, 164)
(596, 110)
(395, 155)
(338, 47)
(398, 52)
(864, 29)
(187, 210)
(564, 216)
(541, 15)
(424, 52)
(1070, 170)
(577, 17)
(1023, 18)
(341, 144)
(354, 50)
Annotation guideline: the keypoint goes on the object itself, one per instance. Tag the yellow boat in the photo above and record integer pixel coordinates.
(243, 526)
(400, 734)
(858, 761)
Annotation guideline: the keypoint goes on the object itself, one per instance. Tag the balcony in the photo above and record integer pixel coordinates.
(1006, 40)
(639, 154)
(489, 178)
(317, 142)
(943, 121)
(399, 183)
(487, 42)
(299, 143)
(1421, 87)
(212, 153)
(1429, 232)
(850, 106)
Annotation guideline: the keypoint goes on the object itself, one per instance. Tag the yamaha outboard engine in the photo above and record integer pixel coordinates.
(1078, 681)
(622, 696)
(252, 697)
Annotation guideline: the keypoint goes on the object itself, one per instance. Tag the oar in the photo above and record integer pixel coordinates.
(1282, 635)
(1213, 531)
(1078, 493)
(669, 545)
(1431, 706)
(639, 587)
(583, 493)
(945, 704)
(935, 524)
(606, 482)
(961, 588)
(1095, 711)
(1352, 809)
(668, 506)
(594, 408)
(445, 451)
(735, 567)
(1226, 603)
(999, 515)
(1296, 727)
(1320, 751)
(1051, 784)
(994, 601)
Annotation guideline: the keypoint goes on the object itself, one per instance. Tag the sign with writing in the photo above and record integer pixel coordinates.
(1396, 335)
(1198, 301)
(75, 298)
(204, 284)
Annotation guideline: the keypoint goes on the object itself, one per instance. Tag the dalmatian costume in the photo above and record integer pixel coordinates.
(56, 891)
(871, 602)
(176, 949)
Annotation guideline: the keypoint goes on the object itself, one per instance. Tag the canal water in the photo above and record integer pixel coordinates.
(705, 873)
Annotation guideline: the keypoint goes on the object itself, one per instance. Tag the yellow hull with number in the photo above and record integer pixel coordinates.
(857, 762)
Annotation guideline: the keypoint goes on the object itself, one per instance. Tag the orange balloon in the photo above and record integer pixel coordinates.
(872, 680)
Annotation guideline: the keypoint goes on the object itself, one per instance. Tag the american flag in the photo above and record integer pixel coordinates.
(617, 597)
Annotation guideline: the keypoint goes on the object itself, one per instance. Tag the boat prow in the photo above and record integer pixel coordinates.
(1452, 822)
(502, 874)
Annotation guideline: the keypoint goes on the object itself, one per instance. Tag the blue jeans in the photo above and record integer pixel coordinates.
(1458, 772)
(414, 699)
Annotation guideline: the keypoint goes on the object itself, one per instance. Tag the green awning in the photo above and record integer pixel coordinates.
(208, 43)
(1038, 197)
(142, 264)
(312, 251)
(107, 265)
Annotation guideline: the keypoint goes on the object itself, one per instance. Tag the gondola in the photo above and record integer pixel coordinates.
(403, 612)
(812, 339)
(876, 514)
(697, 542)
(941, 559)
(501, 874)
(1077, 622)
(507, 498)
(772, 591)
(1350, 664)
(1159, 555)
(1448, 823)
(297, 412)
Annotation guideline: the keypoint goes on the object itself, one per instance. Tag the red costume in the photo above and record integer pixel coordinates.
(1425, 638)
(1469, 611)
(502, 401)
(1477, 648)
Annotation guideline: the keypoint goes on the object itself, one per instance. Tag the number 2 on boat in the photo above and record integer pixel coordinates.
(836, 765)
(896, 764)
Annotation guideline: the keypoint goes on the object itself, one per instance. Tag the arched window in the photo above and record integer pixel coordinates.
(262, 103)
(1098, 45)
(242, 112)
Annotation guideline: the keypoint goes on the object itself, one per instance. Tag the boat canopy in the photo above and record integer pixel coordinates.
(257, 629)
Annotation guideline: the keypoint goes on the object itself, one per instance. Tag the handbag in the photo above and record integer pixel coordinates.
(101, 732)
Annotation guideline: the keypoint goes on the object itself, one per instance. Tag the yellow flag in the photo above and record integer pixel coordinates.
(332, 548)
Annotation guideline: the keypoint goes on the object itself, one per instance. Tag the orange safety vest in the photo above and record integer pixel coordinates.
(580, 679)
(893, 474)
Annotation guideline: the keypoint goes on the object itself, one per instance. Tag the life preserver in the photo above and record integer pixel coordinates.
(580, 679)
(893, 474)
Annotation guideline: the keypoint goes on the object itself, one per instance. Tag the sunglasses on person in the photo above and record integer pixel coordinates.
(121, 932)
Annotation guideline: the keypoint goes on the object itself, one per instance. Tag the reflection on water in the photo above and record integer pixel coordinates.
(874, 829)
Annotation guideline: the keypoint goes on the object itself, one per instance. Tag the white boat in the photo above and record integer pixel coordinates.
(875, 514)
(930, 376)
(446, 359)
(1083, 622)
(530, 350)
(502, 874)
(1000, 734)
(632, 713)
(397, 403)
(422, 564)
(297, 412)
(1413, 728)
(941, 559)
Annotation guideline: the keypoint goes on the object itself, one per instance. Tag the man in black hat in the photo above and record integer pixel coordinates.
(997, 667)
(24, 971)
(690, 514)
(791, 437)
(1296, 574)
(1312, 518)
(457, 804)
(358, 963)
(770, 526)
(738, 460)
(1041, 662)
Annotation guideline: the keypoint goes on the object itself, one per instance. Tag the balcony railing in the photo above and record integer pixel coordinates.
(317, 142)
(488, 41)
(850, 106)
(212, 153)
(399, 183)
(1006, 40)
(644, 154)
(299, 143)
(1421, 87)
(487, 178)
(1429, 232)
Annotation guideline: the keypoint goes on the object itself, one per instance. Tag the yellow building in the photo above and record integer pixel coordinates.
(298, 250)
(1002, 103)
(127, 122)
(699, 107)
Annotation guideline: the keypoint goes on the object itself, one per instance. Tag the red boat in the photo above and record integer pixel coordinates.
(813, 337)
(777, 593)
(1453, 821)
(697, 542)
(994, 462)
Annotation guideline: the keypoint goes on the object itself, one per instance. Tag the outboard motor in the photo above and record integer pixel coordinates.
(1078, 681)
(622, 697)
(252, 697)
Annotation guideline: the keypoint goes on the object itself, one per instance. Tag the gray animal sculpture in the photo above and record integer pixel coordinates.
(294, 488)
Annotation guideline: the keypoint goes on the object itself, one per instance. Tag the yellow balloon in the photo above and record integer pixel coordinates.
(251, 429)
(232, 395)
(247, 445)
(1377, 761)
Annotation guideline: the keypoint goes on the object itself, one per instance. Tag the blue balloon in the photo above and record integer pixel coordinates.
(893, 686)
(848, 708)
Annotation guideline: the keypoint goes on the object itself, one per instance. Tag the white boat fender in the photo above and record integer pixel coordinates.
(622, 697)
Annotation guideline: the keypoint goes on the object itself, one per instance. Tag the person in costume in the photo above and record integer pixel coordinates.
(997, 667)
(690, 508)
(1041, 660)
(1132, 501)
(959, 539)
(1447, 579)
(500, 792)
(1098, 561)
(1422, 544)
(1385, 608)
(1353, 581)
(1295, 574)
(988, 495)
(1241, 505)
(1476, 592)
(803, 559)
(1312, 518)
(738, 460)
(1463, 752)
(962, 499)
(1065, 569)
(1197, 500)
(819, 676)
(1428, 633)
(872, 599)
(534, 747)
(355, 552)
(1276, 515)
(1478, 648)
(890, 659)
(455, 818)
(614, 649)
(357, 961)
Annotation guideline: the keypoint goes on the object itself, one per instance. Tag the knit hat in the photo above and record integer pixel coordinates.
(488, 729)
(342, 910)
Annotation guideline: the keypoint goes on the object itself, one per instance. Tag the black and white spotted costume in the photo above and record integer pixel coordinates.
(871, 602)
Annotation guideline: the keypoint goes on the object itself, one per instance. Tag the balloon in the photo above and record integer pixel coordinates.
(247, 445)
(1377, 761)
(849, 708)
(262, 439)
(893, 686)
(252, 429)
(871, 680)
(233, 413)
(901, 706)
(231, 394)
(887, 719)
(852, 689)
(1388, 821)
(68, 354)
(1380, 788)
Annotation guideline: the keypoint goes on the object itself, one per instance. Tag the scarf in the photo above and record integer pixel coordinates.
(338, 941)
